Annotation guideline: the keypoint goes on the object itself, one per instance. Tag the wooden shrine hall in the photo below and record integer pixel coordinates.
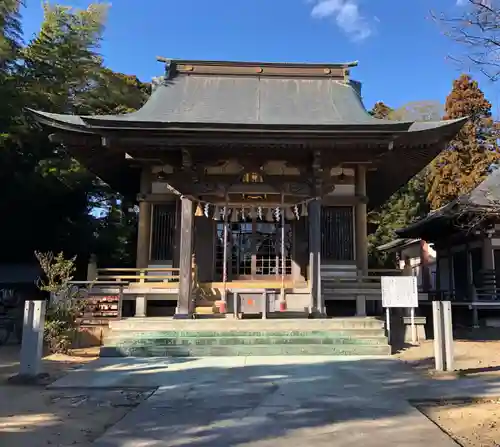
(253, 182)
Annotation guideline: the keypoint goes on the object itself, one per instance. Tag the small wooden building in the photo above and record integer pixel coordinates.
(466, 236)
(263, 171)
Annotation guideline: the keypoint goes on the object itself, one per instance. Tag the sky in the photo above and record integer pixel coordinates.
(402, 52)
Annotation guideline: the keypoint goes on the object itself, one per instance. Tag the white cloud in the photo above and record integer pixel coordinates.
(346, 14)
(461, 2)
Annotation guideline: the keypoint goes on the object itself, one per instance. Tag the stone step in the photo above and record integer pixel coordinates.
(346, 333)
(244, 350)
(204, 310)
(164, 323)
(227, 341)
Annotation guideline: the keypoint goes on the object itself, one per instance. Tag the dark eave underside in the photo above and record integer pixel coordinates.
(483, 199)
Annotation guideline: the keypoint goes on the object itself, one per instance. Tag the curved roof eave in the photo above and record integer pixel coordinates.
(93, 124)
(60, 121)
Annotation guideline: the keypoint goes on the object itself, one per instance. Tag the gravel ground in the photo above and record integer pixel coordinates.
(33, 416)
(473, 423)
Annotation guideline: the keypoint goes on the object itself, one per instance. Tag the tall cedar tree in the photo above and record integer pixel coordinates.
(466, 161)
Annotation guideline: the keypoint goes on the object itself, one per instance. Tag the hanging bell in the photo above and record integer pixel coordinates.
(199, 211)
(243, 216)
(289, 214)
(303, 210)
(234, 215)
(216, 213)
(269, 215)
(206, 210)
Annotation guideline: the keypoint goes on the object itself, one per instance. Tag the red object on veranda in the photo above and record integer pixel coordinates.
(222, 307)
(282, 306)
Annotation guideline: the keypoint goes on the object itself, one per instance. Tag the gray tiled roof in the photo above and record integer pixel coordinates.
(483, 197)
(254, 100)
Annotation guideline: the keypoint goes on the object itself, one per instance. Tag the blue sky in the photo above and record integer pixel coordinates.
(402, 53)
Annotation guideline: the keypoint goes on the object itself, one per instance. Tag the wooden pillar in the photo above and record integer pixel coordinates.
(438, 273)
(144, 223)
(143, 236)
(488, 258)
(424, 266)
(317, 304)
(361, 232)
(450, 274)
(471, 292)
(488, 264)
(184, 304)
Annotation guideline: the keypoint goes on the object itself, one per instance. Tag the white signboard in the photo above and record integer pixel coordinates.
(399, 291)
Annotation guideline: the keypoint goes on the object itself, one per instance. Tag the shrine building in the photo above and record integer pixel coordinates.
(253, 183)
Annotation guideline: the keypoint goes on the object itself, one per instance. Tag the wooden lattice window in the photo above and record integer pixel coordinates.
(337, 233)
(163, 232)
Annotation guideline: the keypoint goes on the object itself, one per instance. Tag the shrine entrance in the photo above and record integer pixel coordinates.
(255, 250)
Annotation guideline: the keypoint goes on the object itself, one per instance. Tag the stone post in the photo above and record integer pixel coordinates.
(32, 343)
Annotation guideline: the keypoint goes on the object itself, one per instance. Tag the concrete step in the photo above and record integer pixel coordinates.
(346, 333)
(166, 324)
(244, 350)
(238, 340)
(205, 310)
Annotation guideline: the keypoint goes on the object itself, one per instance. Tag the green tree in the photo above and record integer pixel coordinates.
(408, 203)
(10, 45)
(466, 161)
(50, 196)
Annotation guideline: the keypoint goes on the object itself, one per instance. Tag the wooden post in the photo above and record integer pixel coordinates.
(143, 236)
(282, 249)
(315, 255)
(144, 223)
(471, 296)
(184, 305)
(488, 261)
(450, 274)
(361, 231)
(224, 261)
(438, 273)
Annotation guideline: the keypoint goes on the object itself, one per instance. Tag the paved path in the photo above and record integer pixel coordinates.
(265, 401)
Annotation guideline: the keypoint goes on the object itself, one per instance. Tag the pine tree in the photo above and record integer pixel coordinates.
(10, 44)
(465, 162)
(62, 64)
(61, 71)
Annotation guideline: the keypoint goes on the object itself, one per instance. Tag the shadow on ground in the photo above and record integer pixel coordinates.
(271, 401)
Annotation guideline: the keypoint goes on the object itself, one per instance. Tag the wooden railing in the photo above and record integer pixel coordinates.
(167, 276)
(141, 275)
(373, 277)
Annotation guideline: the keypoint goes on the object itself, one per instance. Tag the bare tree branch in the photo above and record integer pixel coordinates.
(478, 29)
